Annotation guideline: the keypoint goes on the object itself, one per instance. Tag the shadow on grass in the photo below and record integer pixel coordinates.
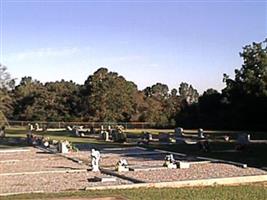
(12, 142)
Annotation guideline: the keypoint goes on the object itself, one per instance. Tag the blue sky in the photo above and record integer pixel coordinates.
(145, 41)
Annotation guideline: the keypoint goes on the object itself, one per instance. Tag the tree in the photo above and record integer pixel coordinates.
(188, 93)
(30, 97)
(6, 84)
(247, 92)
(64, 100)
(251, 79)
(108, 97)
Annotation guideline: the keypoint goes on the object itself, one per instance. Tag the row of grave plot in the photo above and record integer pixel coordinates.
(133, 155)
(53, 182)
(35, 160)
(152, 174)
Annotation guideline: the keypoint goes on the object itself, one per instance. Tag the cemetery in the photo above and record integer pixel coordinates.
(33, 161)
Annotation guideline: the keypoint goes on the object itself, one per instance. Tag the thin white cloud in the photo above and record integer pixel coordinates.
(42, 53)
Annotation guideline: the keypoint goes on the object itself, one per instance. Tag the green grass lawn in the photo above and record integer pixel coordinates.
(241, 192)
(255, 135)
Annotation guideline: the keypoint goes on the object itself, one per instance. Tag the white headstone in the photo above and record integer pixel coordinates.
(36, 126)
(170, 162)
(122, 165)
(201, 133)
(30, 127)
(183, 165)
(63, 147)
(106, 135)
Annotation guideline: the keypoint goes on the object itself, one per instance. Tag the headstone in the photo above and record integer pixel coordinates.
(69, 128)
(122, 166)
(63, 147)
(164, 137)
(104, 179)
(178, 132)
(76, 132)
(46, 144)
(242, 141)
(36, 127)
(30, 127)
(146, 138)
(170, 162)
(226, 138)
(118, 135)
(95, 157)
(183, 165)
(2, 132)
(201, 133)
(150, 136)
(106, 135)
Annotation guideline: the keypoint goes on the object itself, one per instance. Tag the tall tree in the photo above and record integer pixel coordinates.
(247, 92)
(108, 97)
(30, 98)
(6, 84)
(188, 93)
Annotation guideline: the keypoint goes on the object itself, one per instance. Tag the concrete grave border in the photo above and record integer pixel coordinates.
(188, 183)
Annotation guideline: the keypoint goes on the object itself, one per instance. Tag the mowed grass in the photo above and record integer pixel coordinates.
(56, 135)
(241, 192)
(255, 135)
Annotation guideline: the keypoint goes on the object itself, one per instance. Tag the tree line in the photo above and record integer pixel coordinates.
(108, 97)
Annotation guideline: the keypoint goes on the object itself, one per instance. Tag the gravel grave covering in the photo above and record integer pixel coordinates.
(200, 171)
(52, 182)
(35, 160)
(56, 173)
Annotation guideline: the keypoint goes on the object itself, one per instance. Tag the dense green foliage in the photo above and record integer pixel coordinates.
(6, 84)
(107, 96)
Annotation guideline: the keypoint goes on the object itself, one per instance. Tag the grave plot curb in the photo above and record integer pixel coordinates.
(243, 165)
(15, 150)
(111, 173)
(59, 154)
(190, 183)
(225, 161)
(43, 172)
(17, 193)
